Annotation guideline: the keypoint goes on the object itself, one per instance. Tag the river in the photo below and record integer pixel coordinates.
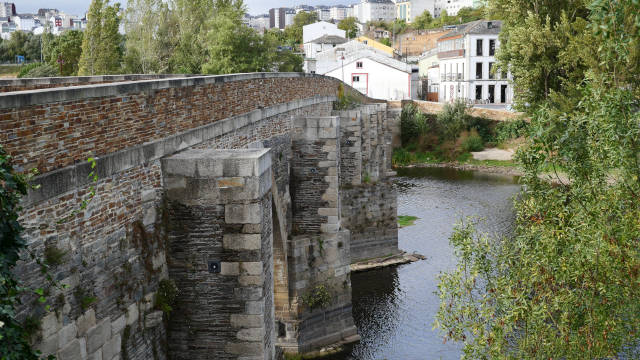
(394, 308)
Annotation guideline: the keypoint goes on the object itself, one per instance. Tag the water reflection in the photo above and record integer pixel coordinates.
(394, 308)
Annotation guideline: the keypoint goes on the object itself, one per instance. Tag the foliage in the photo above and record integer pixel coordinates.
(20, 43)
(422, 21)
(293, 32)
(189, 51)
(149, 26)
(14, 338)
(234, 47)
(406, 220)
(24, 69)
(67, 47)
(385, 41)
(567, 284)
(453, 119)
(44, 70)
(413, 124)
(350, 26)
(472, 143)
(508, 130)
(166, 296)
(317, 298)
(346, 100)
(101, 52)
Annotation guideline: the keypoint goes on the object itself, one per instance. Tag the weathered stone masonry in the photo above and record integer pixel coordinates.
(141, 228)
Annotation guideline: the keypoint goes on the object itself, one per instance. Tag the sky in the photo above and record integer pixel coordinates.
(79, 7)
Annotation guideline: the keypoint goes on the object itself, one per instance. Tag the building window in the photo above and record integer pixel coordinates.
(492, 47)
(479, 70)
(491, 75)
(479, 47)
(359, 65)
(478, 92)
(356, 79)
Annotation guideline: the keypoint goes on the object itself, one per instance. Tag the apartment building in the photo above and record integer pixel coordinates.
(374, 10)
(467, 65)
(409, 10)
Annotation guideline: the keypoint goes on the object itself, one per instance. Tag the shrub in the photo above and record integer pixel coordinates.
(473, 142)
(166, 296)
(317, 298)
(346, 100)
(41, 71)
(401, 157)
(453, 119)
(511, 130)
(26, 68)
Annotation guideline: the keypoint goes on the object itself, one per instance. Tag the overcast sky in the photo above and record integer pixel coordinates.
(79, 7)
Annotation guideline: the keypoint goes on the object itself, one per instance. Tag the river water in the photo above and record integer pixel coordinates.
(394, 308)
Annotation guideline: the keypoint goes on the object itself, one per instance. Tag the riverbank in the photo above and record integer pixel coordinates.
(511, 170)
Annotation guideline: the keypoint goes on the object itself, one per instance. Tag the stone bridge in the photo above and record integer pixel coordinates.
(244, 197)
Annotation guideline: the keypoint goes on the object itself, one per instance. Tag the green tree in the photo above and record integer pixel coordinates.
(293, 32)
(192, 19)
(349, 25)
(150, 39)
(423, 21)
(232, 46)
(66, 48)
(567, 284)
(101, 51)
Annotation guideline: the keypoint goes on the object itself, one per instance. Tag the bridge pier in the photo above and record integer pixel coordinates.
(220, 239)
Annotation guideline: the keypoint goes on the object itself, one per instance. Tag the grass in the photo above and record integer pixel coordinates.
(404, 157)
(406, 220)
(9, 70)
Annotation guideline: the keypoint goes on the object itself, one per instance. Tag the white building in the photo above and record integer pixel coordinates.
(453, 6)
(7, 9)
(374, 10)
(24, 22)
(467, 65)
(321, 44)
(371, 72)
(6, 29)
(324, 14)
(316, 30)
(409, 10)
(340, 12)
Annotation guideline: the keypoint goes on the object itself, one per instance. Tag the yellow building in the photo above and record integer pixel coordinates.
(376, 45)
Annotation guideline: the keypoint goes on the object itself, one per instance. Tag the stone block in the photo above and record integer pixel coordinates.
(252, 229)
(67, 334)
(329, 228)
(327, 133)
(132, 314)
(98, 335)
(232, 182)
(153, 319)
(242, 241)
(254, 307)
(251, 280)
(96, 355)
(49, 346)
(118, 324)
(251, 268)
(244, 348)
(150, 216)
(86, 321)
(239, 321)
(243, 214)
(256, 334)
(328, 211)
(50, 325)
(112, 347)
(148, 195)
(230, 268)
(75, 350)
(247, 293)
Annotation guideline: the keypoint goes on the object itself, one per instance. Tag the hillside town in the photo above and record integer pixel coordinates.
(372, 45)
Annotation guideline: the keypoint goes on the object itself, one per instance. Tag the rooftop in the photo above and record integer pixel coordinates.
(484, 27)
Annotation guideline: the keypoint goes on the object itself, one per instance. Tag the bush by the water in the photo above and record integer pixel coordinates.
(413, 124)
(453, 119)
(472, 143)
(508, 130)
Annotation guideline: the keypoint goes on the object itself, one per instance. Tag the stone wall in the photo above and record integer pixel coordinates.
(8, 85)
(368, 201)
(220, 253)
(113, 253)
